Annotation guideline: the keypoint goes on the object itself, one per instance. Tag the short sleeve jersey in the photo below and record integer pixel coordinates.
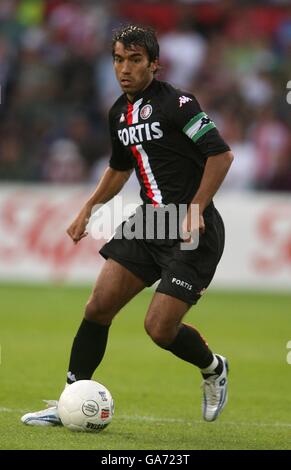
(166, 137)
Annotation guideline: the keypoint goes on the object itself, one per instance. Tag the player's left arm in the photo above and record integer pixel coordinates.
(210, 150)
(214, 173)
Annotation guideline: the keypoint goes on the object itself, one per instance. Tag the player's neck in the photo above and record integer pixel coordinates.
(131, 98)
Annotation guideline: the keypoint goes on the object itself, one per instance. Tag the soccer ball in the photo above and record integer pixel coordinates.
(86, 405)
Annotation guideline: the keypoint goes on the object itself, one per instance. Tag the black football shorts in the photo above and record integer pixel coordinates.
(183, 274)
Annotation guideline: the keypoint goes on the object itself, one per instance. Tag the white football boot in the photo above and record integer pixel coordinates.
(215, 393)
(47, 417)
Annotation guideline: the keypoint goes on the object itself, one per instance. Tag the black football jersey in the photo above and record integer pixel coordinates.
(167, 138)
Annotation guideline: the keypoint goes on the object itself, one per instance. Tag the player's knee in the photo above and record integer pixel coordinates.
(98, 311)
(161, 334)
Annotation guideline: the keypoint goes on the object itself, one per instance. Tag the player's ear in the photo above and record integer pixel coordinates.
(154, 66)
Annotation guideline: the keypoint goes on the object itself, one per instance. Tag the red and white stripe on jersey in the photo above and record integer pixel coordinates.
(146, 173)
(133, 112)
(142, 158)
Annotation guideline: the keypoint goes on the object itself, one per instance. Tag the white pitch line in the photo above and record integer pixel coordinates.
(184, 421)
(156, 419)
(12, 410)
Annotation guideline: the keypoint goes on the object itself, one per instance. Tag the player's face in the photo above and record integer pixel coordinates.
(133, 69)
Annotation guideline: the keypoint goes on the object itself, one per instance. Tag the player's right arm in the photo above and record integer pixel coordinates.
(110, 184)
(112, 181)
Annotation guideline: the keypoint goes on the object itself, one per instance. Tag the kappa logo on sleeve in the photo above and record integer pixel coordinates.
(183, 100)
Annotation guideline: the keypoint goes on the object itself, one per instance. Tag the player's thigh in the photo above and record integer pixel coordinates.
(164, 316)
(115, 286)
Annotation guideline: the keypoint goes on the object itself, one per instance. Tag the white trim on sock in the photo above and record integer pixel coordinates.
(211, 368)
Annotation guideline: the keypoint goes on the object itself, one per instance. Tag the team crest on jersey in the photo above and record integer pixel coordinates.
(146, 111)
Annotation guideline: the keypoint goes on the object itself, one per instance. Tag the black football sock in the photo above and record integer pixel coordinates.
(213, 370)
(87, 350)
(191, 347)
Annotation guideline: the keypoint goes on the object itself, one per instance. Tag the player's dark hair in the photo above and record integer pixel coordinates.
(132, 35)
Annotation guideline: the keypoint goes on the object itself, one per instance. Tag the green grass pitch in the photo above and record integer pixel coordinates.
(157, 396)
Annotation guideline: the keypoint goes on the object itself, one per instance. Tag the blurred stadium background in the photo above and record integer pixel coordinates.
(57, 85)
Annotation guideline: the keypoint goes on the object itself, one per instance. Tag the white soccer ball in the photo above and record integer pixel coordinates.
(86, 405)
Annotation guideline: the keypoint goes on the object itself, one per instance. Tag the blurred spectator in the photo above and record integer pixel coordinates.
(31, 12)
(12, 162)
(182, 53)
(106, 83)
(283, 34)
(281, 179)
(7, 68)
(10, 27)
(57, 82)
(272, 140)
(243, 169)
(65, 163)
(257, 89)
(89, 141)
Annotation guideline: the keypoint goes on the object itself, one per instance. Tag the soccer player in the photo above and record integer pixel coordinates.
(179, 158)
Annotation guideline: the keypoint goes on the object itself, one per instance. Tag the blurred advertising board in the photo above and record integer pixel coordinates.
(34, 246)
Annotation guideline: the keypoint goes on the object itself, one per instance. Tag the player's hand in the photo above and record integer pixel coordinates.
(201, 224)
(77, 230)
(189, 226)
